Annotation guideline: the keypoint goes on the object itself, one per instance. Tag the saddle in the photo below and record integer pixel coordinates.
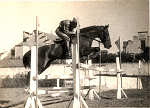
(58, 41)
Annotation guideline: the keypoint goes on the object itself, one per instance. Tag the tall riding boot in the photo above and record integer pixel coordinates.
(68, 48)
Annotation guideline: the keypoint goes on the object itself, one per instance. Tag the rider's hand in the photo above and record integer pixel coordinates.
(73, 35)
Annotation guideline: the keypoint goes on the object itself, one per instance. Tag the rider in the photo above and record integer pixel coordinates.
(65, 30)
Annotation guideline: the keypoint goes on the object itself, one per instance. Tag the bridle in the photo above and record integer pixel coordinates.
(94, 38)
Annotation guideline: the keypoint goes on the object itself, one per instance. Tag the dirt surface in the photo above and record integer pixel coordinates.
(16, 98)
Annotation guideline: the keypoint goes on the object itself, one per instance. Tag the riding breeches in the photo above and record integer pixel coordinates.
(62, 35)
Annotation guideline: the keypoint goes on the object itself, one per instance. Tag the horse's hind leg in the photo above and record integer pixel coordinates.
(28, 78)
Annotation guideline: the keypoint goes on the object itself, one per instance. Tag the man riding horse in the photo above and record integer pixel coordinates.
(65, 30)
(49, 53)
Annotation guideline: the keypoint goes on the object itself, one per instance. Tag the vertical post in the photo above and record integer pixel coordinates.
(139, 70)
(90, 71)
(149, 28)
(36, 41)
(33, 70)
(33, 100)
(118, 79)
(91, 94)
(148, 43)
(119, 52)
(58, 81)
(30, 101)
(100, 67)
(75, 66)
(139, 64)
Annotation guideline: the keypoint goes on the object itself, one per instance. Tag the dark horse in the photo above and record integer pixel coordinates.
(49, 53)
(146, 54)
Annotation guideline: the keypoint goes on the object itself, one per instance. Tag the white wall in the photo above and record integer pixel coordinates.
(11, 72)
(18, 52)
(25, 49)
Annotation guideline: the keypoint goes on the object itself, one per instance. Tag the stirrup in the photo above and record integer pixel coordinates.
(68, 54)
(58, 40)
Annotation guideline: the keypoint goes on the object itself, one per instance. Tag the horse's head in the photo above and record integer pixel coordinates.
(103, 34)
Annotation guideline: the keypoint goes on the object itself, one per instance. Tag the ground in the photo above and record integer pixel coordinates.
(16, 98)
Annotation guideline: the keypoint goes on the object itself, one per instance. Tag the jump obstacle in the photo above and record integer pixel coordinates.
(76, 68)
(91, 92)
(119, 80)
(86, 66)
(33, 98)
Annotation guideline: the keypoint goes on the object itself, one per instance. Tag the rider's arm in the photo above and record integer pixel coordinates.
(70, 32)
(73, 32)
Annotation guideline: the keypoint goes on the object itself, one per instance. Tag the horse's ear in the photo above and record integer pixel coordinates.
(106, 26)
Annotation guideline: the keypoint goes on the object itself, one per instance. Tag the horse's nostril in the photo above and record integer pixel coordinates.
(110, 46)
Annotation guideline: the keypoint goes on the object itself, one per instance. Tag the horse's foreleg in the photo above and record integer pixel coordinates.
(83, 59)
(46, 60)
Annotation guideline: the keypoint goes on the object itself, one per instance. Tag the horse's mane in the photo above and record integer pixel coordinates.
(88, 29)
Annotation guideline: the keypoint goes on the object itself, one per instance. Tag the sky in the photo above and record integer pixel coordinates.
(125, 17)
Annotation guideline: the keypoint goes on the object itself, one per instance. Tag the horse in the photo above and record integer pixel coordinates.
(48, 53)
(145, 55)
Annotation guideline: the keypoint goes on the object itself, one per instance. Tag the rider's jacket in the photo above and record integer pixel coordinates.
(66, 27)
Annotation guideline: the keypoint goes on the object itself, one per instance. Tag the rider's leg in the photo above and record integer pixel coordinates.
(66, 38)
(68, 48)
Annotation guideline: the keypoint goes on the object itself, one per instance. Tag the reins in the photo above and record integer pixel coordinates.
(92, 38)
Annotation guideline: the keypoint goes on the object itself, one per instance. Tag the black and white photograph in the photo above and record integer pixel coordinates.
(74, 53)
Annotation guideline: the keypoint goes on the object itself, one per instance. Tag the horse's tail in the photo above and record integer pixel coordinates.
(27, 59)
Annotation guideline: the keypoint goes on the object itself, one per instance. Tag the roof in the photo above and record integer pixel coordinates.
(1, 53)
(43, 39)
(143, 32)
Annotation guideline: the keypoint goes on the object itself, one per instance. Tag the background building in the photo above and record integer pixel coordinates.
(136, 45)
